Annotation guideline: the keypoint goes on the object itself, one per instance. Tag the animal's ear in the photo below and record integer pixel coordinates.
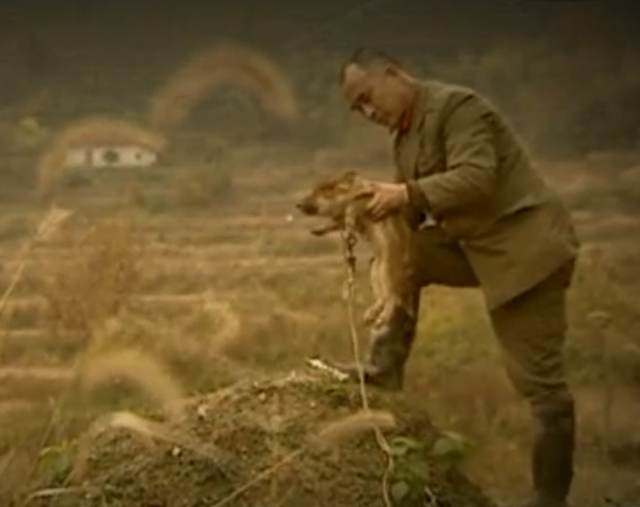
(346, 180)
(361, 192)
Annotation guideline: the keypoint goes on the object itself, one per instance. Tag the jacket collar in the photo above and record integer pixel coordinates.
(414, 118)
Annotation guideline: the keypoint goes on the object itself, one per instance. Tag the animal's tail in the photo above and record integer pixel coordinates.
(243, 67)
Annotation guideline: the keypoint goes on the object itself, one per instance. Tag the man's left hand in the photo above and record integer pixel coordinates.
(388, 197)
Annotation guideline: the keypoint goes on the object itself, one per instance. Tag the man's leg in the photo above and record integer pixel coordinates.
(531, 330)
(437, 261)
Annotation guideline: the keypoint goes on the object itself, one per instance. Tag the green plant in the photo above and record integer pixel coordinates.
(56, 462)
(451, 447)
(410, 472)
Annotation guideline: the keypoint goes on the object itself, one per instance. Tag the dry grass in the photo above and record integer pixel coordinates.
(100, 363)
(228, 322)
(142, 370)
(365, 420)
(242, 67)
(95, 281)
(46, 230)
(91, 131)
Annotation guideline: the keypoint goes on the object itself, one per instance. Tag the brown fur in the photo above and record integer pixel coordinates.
(343, 200)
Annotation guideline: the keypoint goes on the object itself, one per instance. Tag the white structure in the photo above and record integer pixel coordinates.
(110, 156)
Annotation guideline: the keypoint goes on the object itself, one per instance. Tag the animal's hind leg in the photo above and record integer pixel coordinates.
(390, 299)
(371, 314)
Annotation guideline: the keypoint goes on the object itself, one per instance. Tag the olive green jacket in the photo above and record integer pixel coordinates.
(466, 169)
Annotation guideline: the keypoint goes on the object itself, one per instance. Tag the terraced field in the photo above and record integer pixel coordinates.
(229, 291)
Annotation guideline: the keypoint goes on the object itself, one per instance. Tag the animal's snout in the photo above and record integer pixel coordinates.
(306, 207)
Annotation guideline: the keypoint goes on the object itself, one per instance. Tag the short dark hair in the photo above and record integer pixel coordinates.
(368, 57)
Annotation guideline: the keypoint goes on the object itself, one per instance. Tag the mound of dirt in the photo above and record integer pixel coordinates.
(248, 429)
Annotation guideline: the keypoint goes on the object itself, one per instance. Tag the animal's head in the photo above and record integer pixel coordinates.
(330, 198)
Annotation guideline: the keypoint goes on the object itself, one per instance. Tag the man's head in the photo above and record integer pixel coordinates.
(376, 86)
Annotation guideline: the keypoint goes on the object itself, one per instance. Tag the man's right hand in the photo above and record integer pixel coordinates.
(387, 197)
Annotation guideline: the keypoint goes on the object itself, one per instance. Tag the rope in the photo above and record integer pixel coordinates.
(349, 242)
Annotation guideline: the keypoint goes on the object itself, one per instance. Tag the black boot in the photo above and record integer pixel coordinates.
(552, 458)
(388, 352)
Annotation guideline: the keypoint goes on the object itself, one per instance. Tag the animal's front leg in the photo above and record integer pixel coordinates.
(371, 314)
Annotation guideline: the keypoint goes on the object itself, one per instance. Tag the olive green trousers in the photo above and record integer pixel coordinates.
(530, 328)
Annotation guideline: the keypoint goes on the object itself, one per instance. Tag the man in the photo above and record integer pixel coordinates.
(497, 226)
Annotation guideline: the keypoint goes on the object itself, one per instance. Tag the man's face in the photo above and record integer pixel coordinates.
(375, 93)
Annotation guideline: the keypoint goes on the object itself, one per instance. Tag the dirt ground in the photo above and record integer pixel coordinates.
(246, 434)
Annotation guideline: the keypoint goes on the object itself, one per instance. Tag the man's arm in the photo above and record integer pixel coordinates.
(471, 162)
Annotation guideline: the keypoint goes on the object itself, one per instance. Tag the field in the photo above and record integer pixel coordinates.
(238, 287)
